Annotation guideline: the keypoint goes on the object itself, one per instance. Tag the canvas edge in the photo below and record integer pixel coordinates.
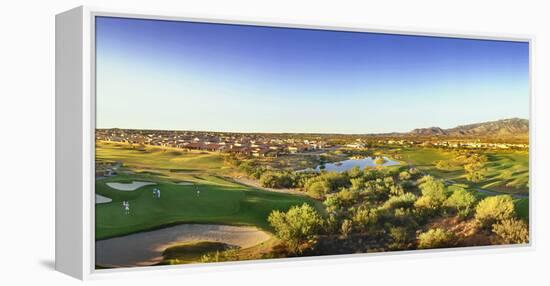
(69, 220)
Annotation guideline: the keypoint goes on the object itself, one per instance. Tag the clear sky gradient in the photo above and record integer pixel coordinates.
(177, 75)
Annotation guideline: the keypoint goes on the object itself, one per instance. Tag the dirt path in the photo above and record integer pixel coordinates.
(145, 248)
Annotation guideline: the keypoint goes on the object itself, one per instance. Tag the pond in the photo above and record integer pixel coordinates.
(361, 163)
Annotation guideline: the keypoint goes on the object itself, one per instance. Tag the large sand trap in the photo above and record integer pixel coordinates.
(129, 186)
(145, 248)
(99, 199)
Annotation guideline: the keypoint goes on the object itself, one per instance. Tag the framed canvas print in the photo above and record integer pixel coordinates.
(183, 142)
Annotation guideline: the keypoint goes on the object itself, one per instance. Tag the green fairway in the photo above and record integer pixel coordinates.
(505, 171)
(219, 201)
(157, 158)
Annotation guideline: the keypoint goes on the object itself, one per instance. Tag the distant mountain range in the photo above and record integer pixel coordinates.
(504, 128)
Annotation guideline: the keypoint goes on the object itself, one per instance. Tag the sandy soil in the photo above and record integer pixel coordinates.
(99, 199)
(129, 187)
(145, 248)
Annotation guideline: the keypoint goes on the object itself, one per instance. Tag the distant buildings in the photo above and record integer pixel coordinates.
(257, 145)
(273, 145)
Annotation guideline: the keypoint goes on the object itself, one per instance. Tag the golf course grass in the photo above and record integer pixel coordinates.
(505, 171)
(217, 201)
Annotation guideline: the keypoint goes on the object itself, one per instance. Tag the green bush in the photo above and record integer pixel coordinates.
(355, 172)
(318, 189)
(433, 193)
(298, 227)
(511, 231)
(435, 238)
(400, 238)
(379, 160)
(404, 176)
(326, 183)
(276, 180)
(365, 218)
(494, 209)
(346, 228)
(462, 201)
(433, 188)
(406, 200)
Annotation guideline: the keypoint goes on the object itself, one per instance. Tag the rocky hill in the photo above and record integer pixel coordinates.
(512, 127)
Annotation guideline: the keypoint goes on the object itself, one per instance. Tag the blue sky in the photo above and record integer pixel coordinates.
(198, 76)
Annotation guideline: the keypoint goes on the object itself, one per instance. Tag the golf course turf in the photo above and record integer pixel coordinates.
(221, 204)
(218, 201)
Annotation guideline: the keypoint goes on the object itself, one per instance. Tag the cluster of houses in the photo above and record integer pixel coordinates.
(267, 145)
(258, 145)
(457, 144)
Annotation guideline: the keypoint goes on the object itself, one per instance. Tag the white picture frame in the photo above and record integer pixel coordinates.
(75, 134)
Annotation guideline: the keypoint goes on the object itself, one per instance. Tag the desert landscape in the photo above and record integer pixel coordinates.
(221, 142)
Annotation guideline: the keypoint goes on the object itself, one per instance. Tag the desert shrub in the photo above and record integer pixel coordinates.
(346, 228)
(364, 218)
(347, 197)
(406, 200)
(357, 183)
(397, 190)
(475, 168)
(433, 188)
(379, 160)
(326, 183)
(332, 204)
(389, 182)
(494, 209)
(433, 196)
(462, 201)
(414, 171)
(511, 231)
(376, 190)
(355, 172)
(404, 176)
(276, 180)
(372, 174)
(318, 189)
(298, 227)
(475, 176)
(408, 186)
(435, 238)
(400, 238)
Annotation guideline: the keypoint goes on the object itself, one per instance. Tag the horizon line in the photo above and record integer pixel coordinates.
(311, 133)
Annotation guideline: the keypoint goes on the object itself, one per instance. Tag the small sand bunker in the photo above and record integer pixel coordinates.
(129, 186)
(146, 248)
(99, 199)
(185, 183)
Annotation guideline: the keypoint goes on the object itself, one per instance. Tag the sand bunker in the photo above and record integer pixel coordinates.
(145, 248)
(129, 186)
(99, 199)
